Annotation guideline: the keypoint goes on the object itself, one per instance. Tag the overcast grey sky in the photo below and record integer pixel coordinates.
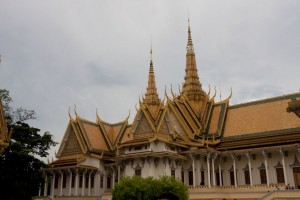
(95, 54)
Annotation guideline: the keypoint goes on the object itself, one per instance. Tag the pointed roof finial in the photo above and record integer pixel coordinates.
(192, 87)
(75, 111)
(151, 96)
(71, 118)
(220, 91)
(189, 46)
(151, 61)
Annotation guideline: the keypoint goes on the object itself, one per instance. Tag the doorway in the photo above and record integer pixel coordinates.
(296, 171)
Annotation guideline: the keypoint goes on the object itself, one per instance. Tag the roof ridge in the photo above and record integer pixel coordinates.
(266, 100)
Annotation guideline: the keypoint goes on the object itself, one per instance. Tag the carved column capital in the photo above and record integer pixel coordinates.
(265, 154)
(208, 155)
(192, 156)
(214, 156)
(232, 156)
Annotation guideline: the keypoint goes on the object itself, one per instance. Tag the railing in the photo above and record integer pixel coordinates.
(77, 198)
(282, 194)
(42, 198)
(67, 198)
(239, 187)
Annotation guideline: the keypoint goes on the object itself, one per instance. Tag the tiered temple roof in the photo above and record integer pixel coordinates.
(191, 120)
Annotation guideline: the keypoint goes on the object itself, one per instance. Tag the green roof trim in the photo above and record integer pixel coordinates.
(221, 117)
(262, 134)
(269, 100)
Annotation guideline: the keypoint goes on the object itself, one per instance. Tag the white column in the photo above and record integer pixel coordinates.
(208, 170)
(40, 187)
(199, 171)
(113, 178)
(70, 182)
(119, 173)
(234, 170)
(266, 165)
(96, 183)
(52, 186)
(220, 173)
(193, 166)
(249, 166)
(283, 166)
(213, 169)
(89, 192)
(83, 183)
(76, 182)
(61, 183)
(46, 185)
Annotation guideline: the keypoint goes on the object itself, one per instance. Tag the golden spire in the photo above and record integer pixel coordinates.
(189, 47)
(192, 87)
(151, 96)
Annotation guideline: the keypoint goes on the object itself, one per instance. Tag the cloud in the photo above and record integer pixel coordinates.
(95, 54)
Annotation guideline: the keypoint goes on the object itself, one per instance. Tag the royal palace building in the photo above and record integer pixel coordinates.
(221, 151)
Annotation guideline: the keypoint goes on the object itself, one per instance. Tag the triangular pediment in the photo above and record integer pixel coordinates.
(70, 144)
(142, 125)
(165, 125)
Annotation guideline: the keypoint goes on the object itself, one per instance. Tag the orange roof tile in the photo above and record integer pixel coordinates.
(261, 116)
(95, 136)
(213, 128)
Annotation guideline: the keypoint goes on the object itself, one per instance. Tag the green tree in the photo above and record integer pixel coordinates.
(138, 188)
(19, 165)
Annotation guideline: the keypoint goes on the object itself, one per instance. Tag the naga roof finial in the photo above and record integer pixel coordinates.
(69, 113)
(75, 111)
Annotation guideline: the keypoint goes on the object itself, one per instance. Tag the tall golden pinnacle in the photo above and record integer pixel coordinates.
(190, 42)
(192, 87)
(151, 96)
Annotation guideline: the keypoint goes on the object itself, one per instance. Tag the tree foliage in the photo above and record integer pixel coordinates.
(19, 176)
(138, 188)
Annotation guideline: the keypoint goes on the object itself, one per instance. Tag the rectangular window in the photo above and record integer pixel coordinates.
(218, 178)
(86, 182)
(73, 181)
(173, 172)
(191, 178)
(137, 148)
(56, 182)
(92, 181)
(108, 182)
(232, 178)
(247, 177)
(80, 181)
(263, 176)
(138, 172)
(280, 175)
(101, 182)
(202, 178)
(182, 176)
(116, 177)
(64, 181)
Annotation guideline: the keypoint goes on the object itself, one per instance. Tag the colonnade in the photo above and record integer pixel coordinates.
(213, 158)
(68, 180)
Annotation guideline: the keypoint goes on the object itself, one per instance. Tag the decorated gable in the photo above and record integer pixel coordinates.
(165, 127)
(142, 125)
(70, 145)
(176, 124)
